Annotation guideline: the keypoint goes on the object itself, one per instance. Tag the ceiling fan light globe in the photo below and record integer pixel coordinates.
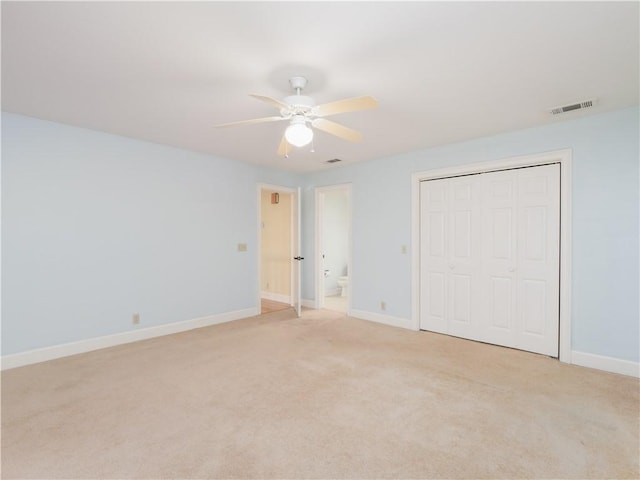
(298, 135)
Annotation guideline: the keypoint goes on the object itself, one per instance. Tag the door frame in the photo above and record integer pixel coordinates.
(292, 223)
(319, 283)
(563, 157)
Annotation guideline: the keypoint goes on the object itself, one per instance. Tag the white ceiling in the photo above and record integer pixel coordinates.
(442, 72)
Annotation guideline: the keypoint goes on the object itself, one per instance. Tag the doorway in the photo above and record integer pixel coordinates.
(277, 240)
(333, 252)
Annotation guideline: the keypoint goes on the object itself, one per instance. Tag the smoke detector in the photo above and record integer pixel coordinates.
(574, 106)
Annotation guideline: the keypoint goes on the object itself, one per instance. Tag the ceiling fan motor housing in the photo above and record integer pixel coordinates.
(300, 104)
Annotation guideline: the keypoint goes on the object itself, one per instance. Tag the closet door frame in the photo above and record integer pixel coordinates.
(563, 157)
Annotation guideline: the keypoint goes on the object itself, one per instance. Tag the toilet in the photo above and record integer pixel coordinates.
(343, 283)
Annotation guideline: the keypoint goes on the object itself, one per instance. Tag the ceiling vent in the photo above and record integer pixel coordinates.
(574, 106)
(335, 160)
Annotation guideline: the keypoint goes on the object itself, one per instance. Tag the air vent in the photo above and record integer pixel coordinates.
(574, 106)
(335, 160)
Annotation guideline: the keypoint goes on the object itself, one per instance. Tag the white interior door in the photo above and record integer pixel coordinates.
(499, 239)
(464, 258)
(537, 268)
(489, 257)
(434, 254)
(297, 256)
(450, 257)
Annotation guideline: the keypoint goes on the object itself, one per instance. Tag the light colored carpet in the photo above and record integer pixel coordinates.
(325, 396)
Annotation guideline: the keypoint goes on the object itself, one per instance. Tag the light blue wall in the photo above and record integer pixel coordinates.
(605, 209)
(96, 227)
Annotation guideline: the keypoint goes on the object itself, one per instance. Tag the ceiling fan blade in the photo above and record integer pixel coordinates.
(250, 122)
(336, 129)
(344, 106)
(272, 101)
(284, 147)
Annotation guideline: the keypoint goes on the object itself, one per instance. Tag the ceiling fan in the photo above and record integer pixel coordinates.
(302, 114)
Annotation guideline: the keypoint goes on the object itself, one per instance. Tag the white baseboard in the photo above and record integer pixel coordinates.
(379, 318)
(83, 346)
(276, 297)
(608, 364)
(590, 360)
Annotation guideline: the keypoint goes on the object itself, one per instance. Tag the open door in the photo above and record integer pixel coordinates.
(297, 257)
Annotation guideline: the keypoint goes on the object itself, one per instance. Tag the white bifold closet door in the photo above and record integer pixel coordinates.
(489, 257)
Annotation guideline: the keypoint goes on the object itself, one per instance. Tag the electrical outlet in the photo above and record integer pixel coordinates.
(135, 319)
(383, 305)
(404, 249)
(242, 247)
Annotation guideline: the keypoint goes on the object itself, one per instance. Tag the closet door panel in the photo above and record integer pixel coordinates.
(538, 259)
(464, 260)
(434, 223)
(499, 216)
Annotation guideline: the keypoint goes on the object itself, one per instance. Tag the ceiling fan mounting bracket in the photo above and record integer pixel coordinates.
(298, 83)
